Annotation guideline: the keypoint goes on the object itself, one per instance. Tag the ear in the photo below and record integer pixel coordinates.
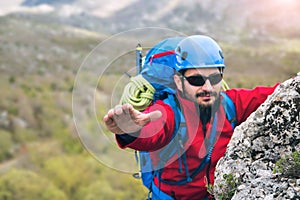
(178, 82)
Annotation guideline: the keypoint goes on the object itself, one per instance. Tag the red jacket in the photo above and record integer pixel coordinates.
(157, 134)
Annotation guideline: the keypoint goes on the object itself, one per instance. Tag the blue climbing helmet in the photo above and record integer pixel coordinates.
(198, 51)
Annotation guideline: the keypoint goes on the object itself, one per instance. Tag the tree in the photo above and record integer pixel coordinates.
(26, 185)
(5, 145)
(71, 172)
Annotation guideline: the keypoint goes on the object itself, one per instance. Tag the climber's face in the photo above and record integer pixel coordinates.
(202, 86)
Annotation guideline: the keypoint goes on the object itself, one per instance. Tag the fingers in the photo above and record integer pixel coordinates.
(128, 109)
(155, 115)
(126, 119)
(109, 114)
(118, 110)
(117, 118)
(122, 110)
(152, 116)
(108, 120)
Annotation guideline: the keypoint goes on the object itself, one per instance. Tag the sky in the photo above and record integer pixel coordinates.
(8, 6)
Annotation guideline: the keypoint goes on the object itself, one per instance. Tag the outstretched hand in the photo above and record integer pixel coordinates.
(125, 119)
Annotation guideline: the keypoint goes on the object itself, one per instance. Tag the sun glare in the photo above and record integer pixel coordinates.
(286, 4)
(286, 1)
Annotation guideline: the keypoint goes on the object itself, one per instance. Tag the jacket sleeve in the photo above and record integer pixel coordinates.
(247, 101)
(154, 135)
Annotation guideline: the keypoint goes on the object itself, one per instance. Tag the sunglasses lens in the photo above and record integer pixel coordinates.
(196, 80)
(215, 79)
(200, 80)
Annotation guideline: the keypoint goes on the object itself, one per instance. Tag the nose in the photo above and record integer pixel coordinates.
(207, 85)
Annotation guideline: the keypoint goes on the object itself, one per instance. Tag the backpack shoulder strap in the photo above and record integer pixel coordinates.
(229, 108)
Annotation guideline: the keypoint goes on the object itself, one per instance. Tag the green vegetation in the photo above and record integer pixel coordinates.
(40, 153)
(289, 165)
(41, 156)
(6, 144)
(27, 185)
(228, 188)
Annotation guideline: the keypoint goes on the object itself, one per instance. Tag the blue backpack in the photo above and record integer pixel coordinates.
(158, 70)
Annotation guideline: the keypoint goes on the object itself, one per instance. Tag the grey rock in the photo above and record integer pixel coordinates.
(269, 134)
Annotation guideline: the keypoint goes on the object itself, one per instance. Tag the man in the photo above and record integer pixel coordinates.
(199, 71)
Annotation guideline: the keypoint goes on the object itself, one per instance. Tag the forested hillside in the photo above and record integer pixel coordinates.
(41, 155)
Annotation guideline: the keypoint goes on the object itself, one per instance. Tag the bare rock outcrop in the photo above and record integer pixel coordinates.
(263, 157)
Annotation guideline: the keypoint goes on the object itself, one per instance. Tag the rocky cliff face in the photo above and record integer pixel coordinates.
(263, 158)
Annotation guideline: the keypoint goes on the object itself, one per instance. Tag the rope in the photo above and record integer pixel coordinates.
(224, 85)
(138, 92)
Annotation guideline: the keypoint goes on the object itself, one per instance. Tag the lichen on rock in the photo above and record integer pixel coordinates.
(260, 147)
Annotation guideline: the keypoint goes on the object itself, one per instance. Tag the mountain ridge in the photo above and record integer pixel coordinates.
(245, 17)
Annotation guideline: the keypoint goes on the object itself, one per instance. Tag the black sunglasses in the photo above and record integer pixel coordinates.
(200, 80)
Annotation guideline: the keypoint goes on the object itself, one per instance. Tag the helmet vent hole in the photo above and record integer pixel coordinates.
(220, 52)
(184, 55)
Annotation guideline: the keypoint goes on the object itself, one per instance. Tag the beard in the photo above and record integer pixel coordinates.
(206, 103)
(206, 112)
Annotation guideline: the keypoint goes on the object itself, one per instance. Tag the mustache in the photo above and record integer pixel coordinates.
(206, 93)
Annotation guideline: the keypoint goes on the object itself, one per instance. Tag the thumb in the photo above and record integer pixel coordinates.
(155, 115)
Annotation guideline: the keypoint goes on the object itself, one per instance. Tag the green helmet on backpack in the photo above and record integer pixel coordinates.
(198, 51)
